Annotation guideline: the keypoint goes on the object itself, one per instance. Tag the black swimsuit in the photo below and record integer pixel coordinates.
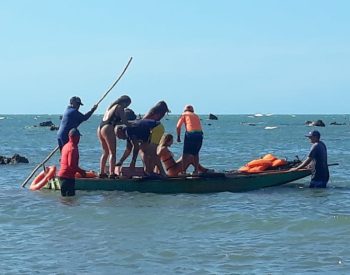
(113, 120)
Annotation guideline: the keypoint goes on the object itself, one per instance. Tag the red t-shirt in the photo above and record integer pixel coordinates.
(70, 159)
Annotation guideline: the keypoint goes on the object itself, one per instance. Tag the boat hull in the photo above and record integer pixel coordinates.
(209, 183)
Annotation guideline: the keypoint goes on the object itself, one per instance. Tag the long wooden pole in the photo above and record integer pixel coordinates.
(115, 82)
(56, 149)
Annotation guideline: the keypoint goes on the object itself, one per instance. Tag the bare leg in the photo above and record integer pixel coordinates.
(186, 161)
(195, 163)
(107, 133)
(104, 155)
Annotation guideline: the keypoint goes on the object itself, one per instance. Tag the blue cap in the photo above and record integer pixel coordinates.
(76, 99)
(314, 134)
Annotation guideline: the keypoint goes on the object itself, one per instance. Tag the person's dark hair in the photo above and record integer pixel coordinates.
(120, 128)
(161, 108)
(123, 99)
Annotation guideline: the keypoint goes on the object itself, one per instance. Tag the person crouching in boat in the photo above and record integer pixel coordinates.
(114, 115)
(137, 139)
(193, 138)
(70, 164)
(173, 168)
(157, 112)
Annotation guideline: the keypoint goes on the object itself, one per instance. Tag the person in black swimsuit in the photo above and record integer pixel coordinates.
(114, 115)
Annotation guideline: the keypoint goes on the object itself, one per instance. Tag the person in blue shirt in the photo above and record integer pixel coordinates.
(72, 119)
(317, 159)
(137, 138)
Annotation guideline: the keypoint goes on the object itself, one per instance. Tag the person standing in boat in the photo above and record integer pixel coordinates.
(72, 119)
(193, 138)
(317, 159)
(173, 168)
(114, 115)
(69, 164)
(149, 152)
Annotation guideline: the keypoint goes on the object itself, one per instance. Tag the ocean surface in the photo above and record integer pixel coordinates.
(289, 229)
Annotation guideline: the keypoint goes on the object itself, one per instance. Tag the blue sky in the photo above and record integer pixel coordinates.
(224, 57)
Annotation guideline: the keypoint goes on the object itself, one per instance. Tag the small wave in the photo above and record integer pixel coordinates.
(270, 127)
(2, 117)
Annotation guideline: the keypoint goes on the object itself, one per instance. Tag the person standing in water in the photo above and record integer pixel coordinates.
(318, 159)
(70, 164)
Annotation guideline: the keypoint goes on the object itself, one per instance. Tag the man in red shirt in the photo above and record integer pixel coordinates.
(70, 164)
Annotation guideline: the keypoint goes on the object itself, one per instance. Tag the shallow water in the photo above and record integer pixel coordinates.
(289, 229)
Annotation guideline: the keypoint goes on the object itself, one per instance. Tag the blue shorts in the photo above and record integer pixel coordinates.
(193, 143)
(318, 184)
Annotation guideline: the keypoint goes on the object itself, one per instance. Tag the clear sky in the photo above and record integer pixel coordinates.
(224, 57)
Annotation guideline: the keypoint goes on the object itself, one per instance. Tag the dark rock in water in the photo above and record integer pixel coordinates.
(54, 128)
(248, 123)
(46, 124)
(336, 123)
(130, 114)
(213, 117)
(318, 123)
(16, 158)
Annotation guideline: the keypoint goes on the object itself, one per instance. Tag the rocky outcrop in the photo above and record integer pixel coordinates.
(213, 117)
(54, 128)
(318, 123)
(336, 123)
(48, 123)
(16, 158)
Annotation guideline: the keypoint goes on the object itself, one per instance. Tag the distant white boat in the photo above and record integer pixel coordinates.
(270, 127)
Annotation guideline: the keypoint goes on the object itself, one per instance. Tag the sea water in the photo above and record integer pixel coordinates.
(289, 229)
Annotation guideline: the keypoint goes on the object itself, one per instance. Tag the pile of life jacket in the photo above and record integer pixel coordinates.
(268, 161)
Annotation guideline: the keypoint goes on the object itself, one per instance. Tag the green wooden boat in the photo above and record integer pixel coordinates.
(206, 183)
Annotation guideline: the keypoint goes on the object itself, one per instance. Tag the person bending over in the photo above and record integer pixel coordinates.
(157, 112)
(137, 139)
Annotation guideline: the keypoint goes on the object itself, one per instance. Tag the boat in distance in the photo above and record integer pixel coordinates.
(205, 183)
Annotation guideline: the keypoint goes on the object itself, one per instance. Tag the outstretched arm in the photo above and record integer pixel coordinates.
(303, 164)
(135, 152)
(125, 154)
(178, 128)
